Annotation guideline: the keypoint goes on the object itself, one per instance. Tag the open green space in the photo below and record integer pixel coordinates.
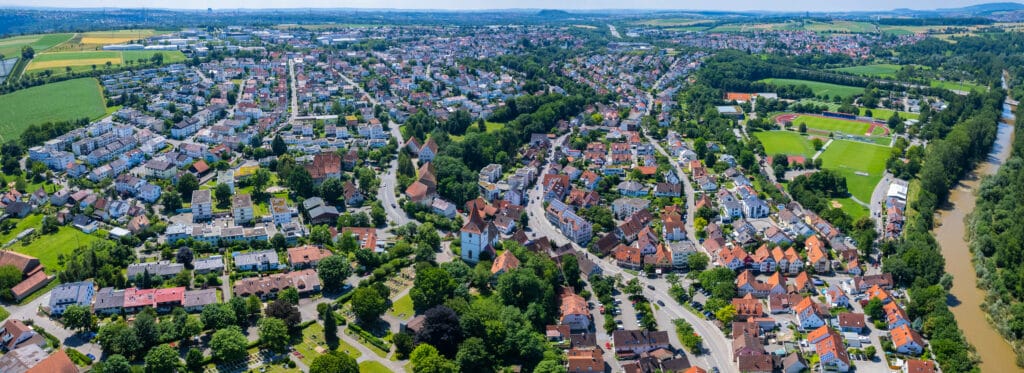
(852, 208)
(832, 124)
(958, 86)
(402, 308)
(49, 246)
(819, 88)
(4, 314)
(373, 367)
(785, 142)
(850, 157)
(11, 47)
(880, 70)
(840, 26)
(885, 114)
(79, 61)
(491, 127)
(313, 337)
(54, 102)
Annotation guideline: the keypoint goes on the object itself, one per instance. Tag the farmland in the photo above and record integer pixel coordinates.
(78, 98)
(785, 142)
(819, 88)
(849, 157)
(95, 40)
(84, 61)
(10, 47)
(884, 70)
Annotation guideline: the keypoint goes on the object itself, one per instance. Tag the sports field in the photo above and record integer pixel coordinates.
(851, 157)
(785, 142)
(67, 100)
(885, 114)
(958, 86)
(819, 88)
(881, 70)
(10, 47)
(832, 124)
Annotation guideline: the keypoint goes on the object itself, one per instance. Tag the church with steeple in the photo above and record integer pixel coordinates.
(478, 236)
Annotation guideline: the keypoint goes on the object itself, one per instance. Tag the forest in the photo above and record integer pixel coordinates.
(997, 242)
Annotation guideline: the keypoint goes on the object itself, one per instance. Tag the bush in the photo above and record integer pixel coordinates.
(77, 357)
(377, 342)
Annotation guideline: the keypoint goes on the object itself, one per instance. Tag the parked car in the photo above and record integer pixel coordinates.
(650, 287)
(660, 303)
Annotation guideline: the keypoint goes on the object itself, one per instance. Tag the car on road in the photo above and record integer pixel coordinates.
(91, 357)
(650, 287)
(660, 303)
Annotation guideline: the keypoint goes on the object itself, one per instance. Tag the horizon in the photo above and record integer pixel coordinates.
(504, 5)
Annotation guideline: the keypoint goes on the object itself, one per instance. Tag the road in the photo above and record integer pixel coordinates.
(295, 91)
(30, 311)
(614, 32)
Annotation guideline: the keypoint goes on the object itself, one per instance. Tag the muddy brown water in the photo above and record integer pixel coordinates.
(995, 353)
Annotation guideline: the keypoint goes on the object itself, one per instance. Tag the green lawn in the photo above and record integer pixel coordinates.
(169, 56)
(819, 88)
(832, 124)
(80, 61)
(67, 100)
(884, 70)
(849, 157)
(491, 127)
(855, 210)
(785, 142)
(373, 367)
(841, 26)
(885, 114)
(4, 314)
(402, 308)
(48, 247)
(958, 86)
(11, 47)
(313, 336)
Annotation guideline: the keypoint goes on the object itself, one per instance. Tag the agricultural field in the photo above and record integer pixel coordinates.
(95, 40)
(841, 26)
(850, 157)
(67, 100)
(884, 70)
(819, 88)
(751, 27)
(785, 142)
(58, 62)
(10, 47)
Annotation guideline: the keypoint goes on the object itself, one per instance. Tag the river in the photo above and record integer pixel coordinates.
(995, 353)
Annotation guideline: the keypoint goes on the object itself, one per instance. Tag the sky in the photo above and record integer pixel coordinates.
(734, 5)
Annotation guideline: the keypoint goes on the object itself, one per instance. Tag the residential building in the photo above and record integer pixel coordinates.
(241, 209)
(202, 205)
(307, 256)
(74, 293)
(265, 260)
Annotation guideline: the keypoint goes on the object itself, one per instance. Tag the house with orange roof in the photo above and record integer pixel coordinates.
(628, 256)
(504, 263)
(57, 362)
(817, 335)
(307, 256)
(906, 341)
(832, 353)
(747, 283)
(919, 366)
(802, 283)
(747, 307)
(816, 254)
(734, 258)
(810, 314)
(574, 311)
(894, 315)
(763, 260)
(585, 360)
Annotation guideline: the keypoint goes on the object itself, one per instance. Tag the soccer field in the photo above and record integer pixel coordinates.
(832, 124)
(785, 142)
(851, 157)
(880, 70)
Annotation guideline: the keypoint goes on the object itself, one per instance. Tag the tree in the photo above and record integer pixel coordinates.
(697, 261)
(803, 127)
(334, 362)
(289, 294)
(331, 190)
(115, 363)
(78, 317)
(223, 194)
(284, 311)
(320, 235)
(368, 304)
(194, 360)
(277, 146)
(726, 314)
(228, 344)
(333, 271)
(403, 345)
(300, 182)
(571, 271)
(187, 184)
(171, 201)
(259, 181)
(118, 338)
(441, 328)
(549, 366)
(50, 225)
(9, 276)
(145, 328)
(431, 287)
(425, 359)
(218, 316)
(330, 325)
(184, 256)
(27, 52)
(474, 357)
(874, 309)
(274, 334)
(161, 359)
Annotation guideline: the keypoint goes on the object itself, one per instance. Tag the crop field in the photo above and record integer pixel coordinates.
(851, 158)
(95, 40)
(67, 100)
(841, 26)
(751, 27)
(785, 142)
(10, 47)
(881, 70)
(819, 88)
(83, 61)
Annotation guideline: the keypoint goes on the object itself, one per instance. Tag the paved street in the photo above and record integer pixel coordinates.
(30, 311)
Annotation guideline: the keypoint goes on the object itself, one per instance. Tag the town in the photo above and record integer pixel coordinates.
(612, 195)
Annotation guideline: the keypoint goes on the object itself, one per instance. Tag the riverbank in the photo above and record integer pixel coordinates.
(965, 299)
